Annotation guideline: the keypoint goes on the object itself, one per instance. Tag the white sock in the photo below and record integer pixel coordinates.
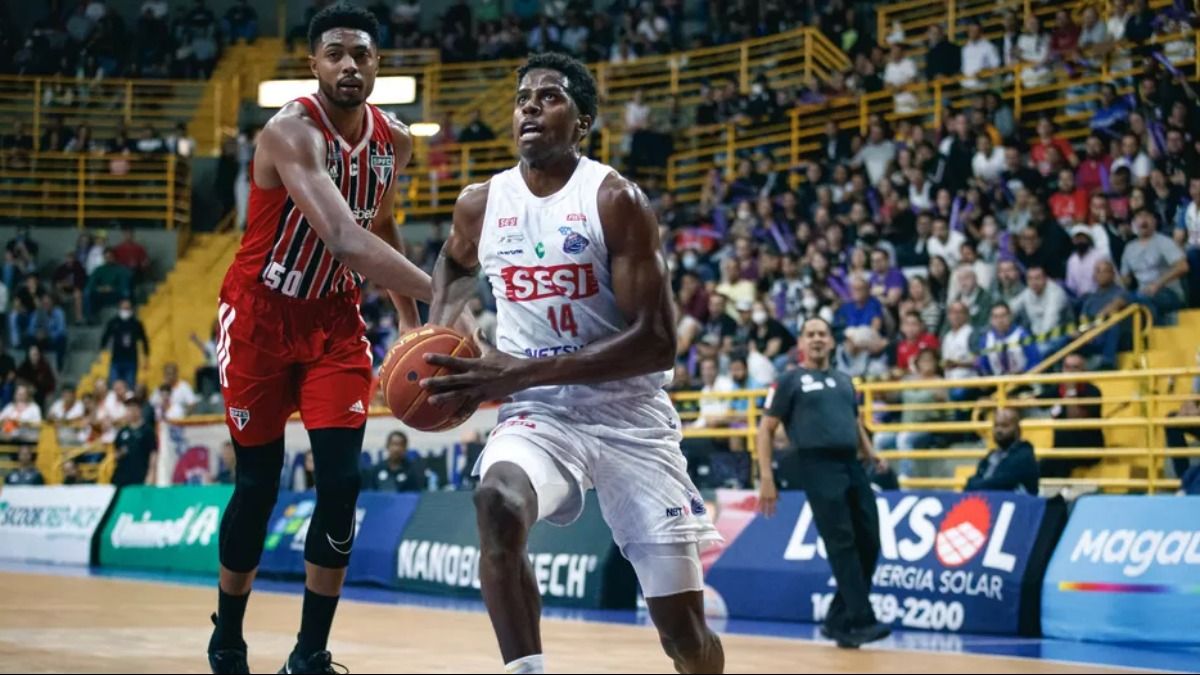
(526, 664)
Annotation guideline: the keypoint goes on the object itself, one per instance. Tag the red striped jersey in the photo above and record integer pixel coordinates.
(279, 249)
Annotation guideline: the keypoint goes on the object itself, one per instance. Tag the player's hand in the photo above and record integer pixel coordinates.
(881, 464)
(494, 376)
(768, 497)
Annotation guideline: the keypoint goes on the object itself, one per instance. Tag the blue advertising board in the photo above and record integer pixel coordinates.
(948, 561)
(1127, 569)
(379, 521)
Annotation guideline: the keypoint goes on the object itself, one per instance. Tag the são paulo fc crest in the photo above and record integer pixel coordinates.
(240, 417)
(382, 166)
(575, 243)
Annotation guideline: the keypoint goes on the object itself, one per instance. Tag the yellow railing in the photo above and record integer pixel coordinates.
(57, 446)
(81, 187)
(1134, 413)
(104, 105)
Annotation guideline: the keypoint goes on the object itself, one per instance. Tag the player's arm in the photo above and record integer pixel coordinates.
(642, 293)
(458, 262)
(298, 158)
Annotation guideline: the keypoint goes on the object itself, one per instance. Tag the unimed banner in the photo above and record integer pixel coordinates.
(575, 566)
(1126, 569)
(173, 528)
(51, 524)
(380, 522)
(948, 561)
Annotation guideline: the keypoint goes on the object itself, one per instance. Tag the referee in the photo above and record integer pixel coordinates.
(818, 408)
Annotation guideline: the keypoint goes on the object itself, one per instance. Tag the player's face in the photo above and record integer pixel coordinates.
(345, 64)
(546, 121)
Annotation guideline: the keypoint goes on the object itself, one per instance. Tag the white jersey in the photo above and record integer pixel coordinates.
(547, 263)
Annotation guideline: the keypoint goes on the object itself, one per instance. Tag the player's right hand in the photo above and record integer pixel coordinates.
(768, 497)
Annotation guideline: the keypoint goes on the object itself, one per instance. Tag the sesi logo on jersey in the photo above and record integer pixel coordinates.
(573, 281)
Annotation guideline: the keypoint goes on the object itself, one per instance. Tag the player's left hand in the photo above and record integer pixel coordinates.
(494, 376)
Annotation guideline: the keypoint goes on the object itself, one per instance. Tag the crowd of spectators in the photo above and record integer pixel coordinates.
(90, 41)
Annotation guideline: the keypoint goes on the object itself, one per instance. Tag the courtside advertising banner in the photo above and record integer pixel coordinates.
(948, 562)
(379, 523)
(573, 566)
(1127, 569)
(51, 524)
(175, 529)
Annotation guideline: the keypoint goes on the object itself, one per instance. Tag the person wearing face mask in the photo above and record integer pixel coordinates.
(1081, 266)
(123, 334)
(768, 336)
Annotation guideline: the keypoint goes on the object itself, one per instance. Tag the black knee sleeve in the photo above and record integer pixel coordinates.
(244, 525)
(334, 519)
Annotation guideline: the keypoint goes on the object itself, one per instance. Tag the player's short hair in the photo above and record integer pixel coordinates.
(342, 15)
(581, 86)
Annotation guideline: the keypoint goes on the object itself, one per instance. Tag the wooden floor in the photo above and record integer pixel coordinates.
(71, 624)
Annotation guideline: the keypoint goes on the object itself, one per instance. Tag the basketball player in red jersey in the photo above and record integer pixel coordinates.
(323, 183)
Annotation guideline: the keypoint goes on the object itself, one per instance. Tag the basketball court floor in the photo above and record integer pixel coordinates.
(73, 620)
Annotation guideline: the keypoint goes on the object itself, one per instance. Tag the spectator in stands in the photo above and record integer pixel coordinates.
(132, 255)
(714, 410)
(1134, 158)
(108, 285)
(1177, 437)
(1081, 267)
(1032, 252)
(1187, 235)
(1112, 114)
(989, 162)
(924, 367)
(1156, 263)
(1073, 438)
(1006, 348)
(21, 418)
(767, 336)
(241, 22)
(945, 244)
(921, 300)
(179, 142)
(1009, 284)
(24, 248)
(1039, 149)
(48, 329)
(875, 154)
(476, 130)
(887, 283)
(207, 377)
(175, 397)
(135, 448)
(944, 59)
(68, 282)
(1094, 169)
(1069, 204)
(863, 310)
(125, 333)
(396, 473)
(26, 472)
(1033, 52)
(978, 55)
(1011, 466)
(110, 407)
(974, 297)
(67, 409)
(914, 339)
(900, 71)
(1043, 307)
(37, 372)
(19, 318)
(151, 143)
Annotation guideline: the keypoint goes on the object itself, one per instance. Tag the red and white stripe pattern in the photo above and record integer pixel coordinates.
(299, 265)
(225, 317)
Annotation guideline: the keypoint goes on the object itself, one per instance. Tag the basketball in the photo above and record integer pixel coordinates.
(404, 368)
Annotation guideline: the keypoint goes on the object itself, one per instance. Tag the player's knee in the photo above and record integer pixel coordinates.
(256, 487)
(502, 513)
(334, 522)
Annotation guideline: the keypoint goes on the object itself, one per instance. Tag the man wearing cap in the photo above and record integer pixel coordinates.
(1081, 266)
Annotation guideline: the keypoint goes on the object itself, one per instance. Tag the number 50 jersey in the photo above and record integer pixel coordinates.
(548, 266)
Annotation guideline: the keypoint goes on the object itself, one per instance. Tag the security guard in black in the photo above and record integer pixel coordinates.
(818, 408)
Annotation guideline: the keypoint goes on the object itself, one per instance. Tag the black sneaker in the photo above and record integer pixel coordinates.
(842, 638)
(319, 662)
(221, 660)
(870, 633)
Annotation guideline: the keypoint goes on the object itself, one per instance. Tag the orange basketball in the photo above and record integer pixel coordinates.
(404, 368)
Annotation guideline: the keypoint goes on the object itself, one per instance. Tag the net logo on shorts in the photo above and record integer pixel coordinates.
(963, 532)
(572, 281)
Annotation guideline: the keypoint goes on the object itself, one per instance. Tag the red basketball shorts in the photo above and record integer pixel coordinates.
(277, 355)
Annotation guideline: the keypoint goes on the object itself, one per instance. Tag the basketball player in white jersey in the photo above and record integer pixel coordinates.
(585, 343)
